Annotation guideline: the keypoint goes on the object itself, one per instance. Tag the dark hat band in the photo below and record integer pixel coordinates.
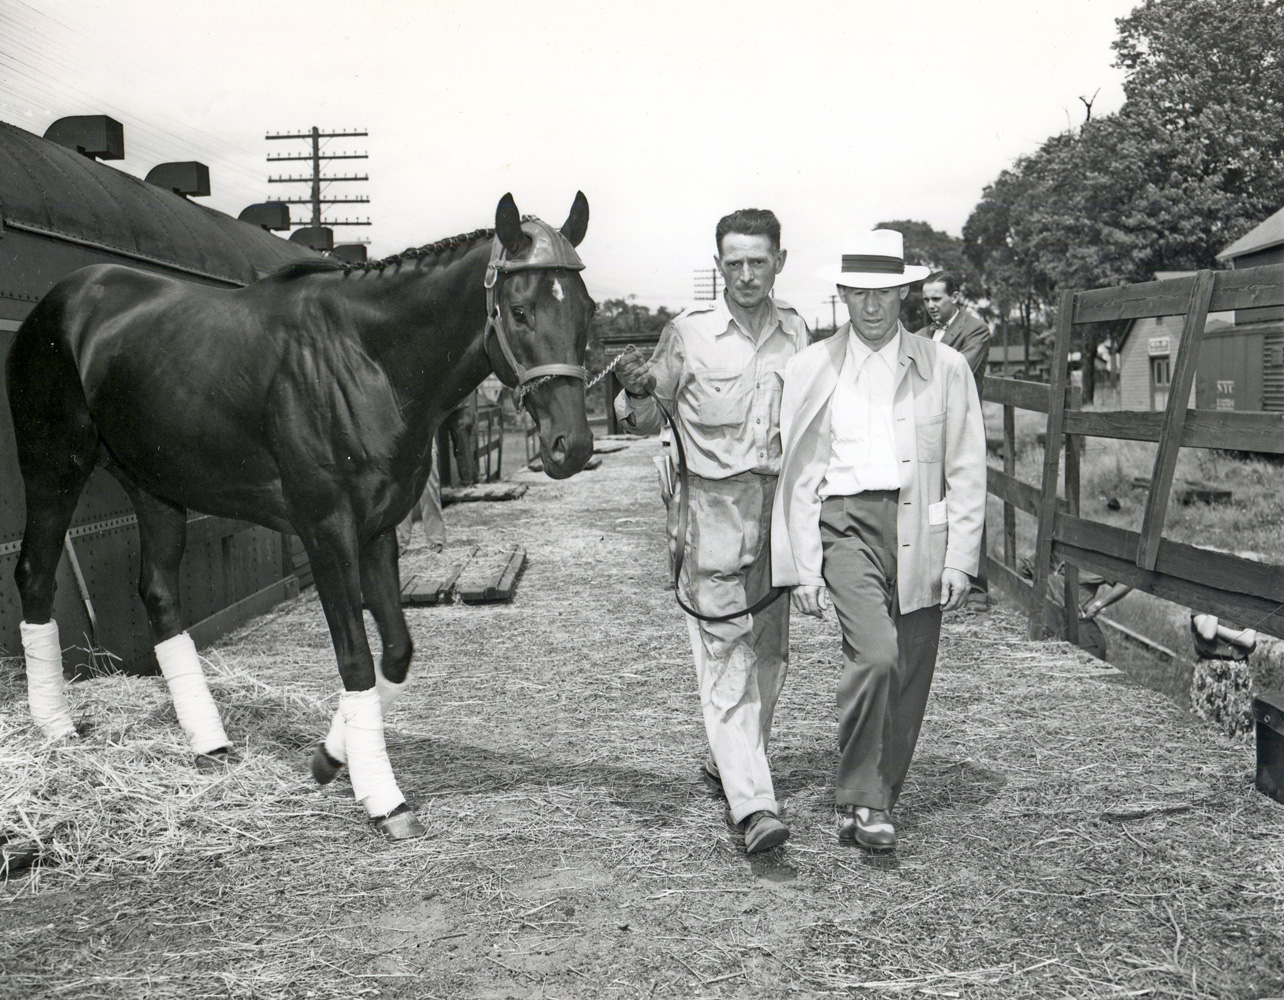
(872, 264)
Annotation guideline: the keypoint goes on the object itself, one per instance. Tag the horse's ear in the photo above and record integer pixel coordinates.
(508, 225)
(577, 222)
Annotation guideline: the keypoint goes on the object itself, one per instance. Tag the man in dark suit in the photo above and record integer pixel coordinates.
(953, 324)
(956, 326)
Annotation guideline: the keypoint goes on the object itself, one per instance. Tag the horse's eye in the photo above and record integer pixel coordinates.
(519, 314)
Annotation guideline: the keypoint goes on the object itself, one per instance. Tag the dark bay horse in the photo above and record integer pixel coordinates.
(305, 402)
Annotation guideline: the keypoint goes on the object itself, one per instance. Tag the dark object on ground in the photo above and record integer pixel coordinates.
(1268, 712)
(1113, 504)
(1190, 492)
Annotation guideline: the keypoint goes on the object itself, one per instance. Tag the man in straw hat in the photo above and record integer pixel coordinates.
(879, 507)
(717, 365)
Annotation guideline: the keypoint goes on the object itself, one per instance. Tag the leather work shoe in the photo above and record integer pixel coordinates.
(763, 830)
(870, 828)
(711, 778)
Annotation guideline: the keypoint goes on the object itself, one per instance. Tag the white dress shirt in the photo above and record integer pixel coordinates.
(862, 453)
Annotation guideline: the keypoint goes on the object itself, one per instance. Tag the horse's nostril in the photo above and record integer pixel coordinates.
(558, 451)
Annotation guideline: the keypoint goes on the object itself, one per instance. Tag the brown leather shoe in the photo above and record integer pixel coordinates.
(763, 830)
(870, 828)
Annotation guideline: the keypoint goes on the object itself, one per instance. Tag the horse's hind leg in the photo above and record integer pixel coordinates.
(381, 593)
(162, 532)
(57, 446)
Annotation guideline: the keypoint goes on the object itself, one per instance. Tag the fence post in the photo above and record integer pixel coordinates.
(1059, 377)
(1072, 444)
(1009, 468)
(1161, 480)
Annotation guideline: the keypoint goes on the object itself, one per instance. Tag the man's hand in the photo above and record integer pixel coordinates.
(812, 601)
(954, 589)
(634, 373)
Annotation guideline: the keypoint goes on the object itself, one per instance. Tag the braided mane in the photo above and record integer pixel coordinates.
(441, 249)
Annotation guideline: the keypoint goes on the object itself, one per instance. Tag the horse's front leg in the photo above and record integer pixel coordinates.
(334, 552)
(381, 593)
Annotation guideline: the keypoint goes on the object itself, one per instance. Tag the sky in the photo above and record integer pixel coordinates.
(668, 115)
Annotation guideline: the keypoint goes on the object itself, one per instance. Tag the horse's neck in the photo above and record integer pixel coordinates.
(427, 331)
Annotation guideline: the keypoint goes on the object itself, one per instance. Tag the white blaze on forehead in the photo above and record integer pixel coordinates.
(557, 290)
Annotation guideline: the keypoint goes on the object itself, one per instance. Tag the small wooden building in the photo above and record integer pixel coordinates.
(1148, 350)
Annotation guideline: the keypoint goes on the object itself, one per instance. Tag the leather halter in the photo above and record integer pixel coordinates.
(550, 250)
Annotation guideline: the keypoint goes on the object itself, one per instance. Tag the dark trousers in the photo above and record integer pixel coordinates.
(888, 657)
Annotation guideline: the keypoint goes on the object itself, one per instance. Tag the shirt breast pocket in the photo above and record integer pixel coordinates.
(718, 398)
(930, 432)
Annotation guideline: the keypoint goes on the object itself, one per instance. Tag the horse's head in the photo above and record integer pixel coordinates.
(537, 328)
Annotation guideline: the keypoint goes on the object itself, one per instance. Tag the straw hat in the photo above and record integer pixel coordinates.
(874, 259)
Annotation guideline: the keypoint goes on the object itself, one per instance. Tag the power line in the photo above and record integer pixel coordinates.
(315, 179)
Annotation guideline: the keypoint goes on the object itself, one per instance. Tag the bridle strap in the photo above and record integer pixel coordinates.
(521, 376)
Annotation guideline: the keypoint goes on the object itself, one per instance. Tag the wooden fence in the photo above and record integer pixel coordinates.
(1246, 593)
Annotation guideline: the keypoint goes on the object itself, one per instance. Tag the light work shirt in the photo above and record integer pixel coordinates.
(862, 453)
(724, 385)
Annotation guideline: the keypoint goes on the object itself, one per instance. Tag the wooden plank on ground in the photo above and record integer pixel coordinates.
(483, 492)
(491, 575)
(434, 575)
(606, 446)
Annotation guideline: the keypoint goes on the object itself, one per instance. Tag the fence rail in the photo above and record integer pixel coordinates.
(1246, 593)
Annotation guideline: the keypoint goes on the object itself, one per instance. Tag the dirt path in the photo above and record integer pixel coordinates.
(1064, 834)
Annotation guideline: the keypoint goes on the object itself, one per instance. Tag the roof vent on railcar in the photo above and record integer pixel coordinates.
(274, 215)
(189, 178)
(95, 136)
(351, 253)
(316, 237)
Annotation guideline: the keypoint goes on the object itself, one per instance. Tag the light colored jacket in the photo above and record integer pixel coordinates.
(940, 446)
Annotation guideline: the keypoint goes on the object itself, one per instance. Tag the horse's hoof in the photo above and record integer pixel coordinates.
(214, 761)
(324, 767)
(400, 824)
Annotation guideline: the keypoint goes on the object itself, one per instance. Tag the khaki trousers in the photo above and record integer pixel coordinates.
(888, 657)
(740, 664)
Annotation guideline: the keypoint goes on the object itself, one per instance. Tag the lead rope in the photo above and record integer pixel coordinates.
(523, 390)
(684, 512)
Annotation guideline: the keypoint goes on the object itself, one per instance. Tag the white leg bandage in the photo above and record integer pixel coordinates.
(372, 782)
(46, 692)
(388, 695)
(197, 713)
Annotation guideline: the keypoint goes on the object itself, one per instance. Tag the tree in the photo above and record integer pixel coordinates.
(931, 248)
(1188, 164)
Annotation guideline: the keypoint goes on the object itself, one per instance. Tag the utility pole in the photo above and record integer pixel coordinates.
(833, 311)
(708, 283)
(316, 178)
